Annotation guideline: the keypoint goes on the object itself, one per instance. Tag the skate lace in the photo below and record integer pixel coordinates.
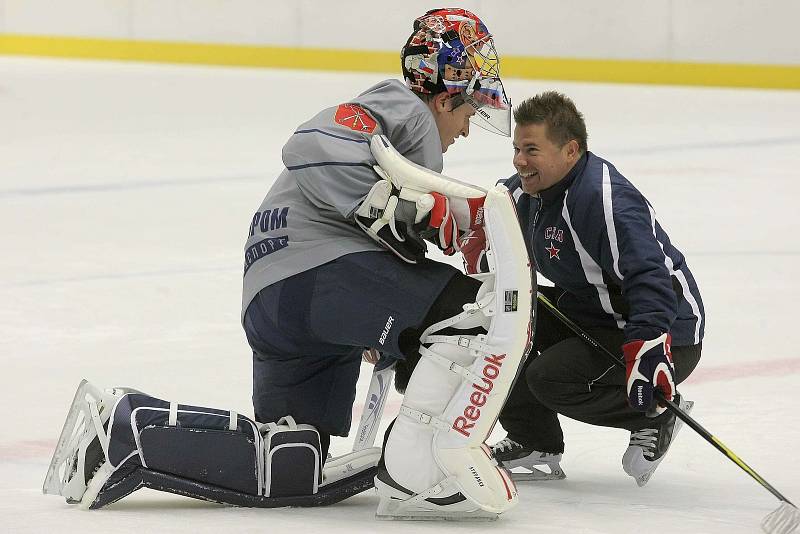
(646, 439)
(504, 444)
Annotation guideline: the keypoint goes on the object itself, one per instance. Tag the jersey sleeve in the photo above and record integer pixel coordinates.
(334, 169)
(619, 228)
(333, 172)
(646, 280)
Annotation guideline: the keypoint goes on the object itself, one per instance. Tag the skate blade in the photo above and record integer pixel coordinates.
(68, 442)
(395, 511)
(537, 475)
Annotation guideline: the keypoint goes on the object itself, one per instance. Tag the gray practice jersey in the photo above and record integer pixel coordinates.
(307, 217)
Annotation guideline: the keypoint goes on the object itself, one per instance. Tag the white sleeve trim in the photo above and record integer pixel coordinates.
(608, 211)
(687, 293)
(591, 270)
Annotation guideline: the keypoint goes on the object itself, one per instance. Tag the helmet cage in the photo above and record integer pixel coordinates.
(452, 50)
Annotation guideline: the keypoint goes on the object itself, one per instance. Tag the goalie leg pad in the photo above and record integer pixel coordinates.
(461, 382)
(115, 442)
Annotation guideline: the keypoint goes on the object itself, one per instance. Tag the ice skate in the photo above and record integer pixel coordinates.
(648, 446)
(526, 463)
(79, 469)
(443, 501)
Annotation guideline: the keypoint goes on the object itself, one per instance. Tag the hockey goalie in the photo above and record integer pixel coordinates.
(434, 463)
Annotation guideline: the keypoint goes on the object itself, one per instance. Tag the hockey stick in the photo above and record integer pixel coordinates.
(373, 407)
(785, 519)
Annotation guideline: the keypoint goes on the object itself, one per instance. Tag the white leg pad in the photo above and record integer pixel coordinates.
(459, 386)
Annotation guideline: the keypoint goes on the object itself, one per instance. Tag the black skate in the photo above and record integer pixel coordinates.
(526, 463)
(648, 446)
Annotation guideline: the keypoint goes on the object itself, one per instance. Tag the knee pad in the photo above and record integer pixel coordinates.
(461, 382)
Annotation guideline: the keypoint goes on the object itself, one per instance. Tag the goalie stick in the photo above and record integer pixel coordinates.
(783, 520)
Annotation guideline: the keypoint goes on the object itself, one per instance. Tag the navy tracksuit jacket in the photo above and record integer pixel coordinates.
(597, 239)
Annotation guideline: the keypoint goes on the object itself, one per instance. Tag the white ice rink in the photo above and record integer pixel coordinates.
(126, 191)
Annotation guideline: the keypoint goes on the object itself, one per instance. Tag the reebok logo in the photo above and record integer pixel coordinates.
(478, 221)
(386, 329)
(472, 412)
(640, 395)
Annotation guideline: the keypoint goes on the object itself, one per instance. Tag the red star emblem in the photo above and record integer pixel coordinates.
(553, 251)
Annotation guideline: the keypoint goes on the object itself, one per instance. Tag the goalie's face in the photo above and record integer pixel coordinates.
(452, 122)
(540, 162)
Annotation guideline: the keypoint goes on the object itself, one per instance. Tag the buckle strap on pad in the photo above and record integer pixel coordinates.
(450, 365)
(423, 418)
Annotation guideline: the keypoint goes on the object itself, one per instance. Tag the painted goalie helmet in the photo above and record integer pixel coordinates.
(451, 50)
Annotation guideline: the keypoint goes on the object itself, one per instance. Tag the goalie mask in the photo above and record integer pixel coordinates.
(452, 50)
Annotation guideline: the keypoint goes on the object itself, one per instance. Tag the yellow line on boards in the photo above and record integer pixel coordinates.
(655, 72)
(591, 70)
(198, 53)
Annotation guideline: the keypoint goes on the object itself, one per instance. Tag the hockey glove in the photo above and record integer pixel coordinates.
(442, 228)
(473, 247)
(648, 366)
(449, 217)
(389, 219)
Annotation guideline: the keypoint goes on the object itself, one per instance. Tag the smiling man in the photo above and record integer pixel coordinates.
(616, 273)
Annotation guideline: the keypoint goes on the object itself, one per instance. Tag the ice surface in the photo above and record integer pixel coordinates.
(126, 192)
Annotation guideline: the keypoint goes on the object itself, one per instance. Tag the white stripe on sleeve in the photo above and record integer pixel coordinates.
(608, 211)
(592, 271)
(687, 293)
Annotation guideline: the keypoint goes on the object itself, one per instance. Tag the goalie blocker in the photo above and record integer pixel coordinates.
(436, 464)
(117, 441)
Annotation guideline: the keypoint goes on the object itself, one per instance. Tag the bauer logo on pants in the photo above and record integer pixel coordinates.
(511, 300)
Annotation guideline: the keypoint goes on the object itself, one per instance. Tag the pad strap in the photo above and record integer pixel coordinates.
(468, 342)
(482, 305)
(449, 364)
(423, 418)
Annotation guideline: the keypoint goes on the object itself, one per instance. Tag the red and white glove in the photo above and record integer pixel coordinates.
(450, 220)
(473, 243)
(648, 366)
(442, 226)
(473, 247)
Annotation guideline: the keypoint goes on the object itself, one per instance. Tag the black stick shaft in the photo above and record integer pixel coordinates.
(674, 408)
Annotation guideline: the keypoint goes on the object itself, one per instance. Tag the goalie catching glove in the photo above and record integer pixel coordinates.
(648, 366)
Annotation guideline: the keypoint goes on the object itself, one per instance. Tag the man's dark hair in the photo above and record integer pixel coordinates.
(564, 121)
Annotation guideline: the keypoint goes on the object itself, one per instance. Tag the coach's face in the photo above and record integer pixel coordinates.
(540, 162)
